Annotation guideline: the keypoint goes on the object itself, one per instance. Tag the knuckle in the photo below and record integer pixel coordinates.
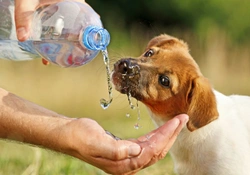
(162, 155)
(136, 164)
(117, 152)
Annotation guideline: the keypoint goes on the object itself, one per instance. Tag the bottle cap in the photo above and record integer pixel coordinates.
(95, 38)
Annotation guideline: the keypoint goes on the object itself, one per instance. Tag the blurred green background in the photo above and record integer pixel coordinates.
(217, 32)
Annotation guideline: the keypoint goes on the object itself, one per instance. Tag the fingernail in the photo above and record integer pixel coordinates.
(134, 150)
(186, 118)
(22, 34)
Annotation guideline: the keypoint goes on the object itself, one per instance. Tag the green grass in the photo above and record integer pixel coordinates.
(76, 93)
(25, 160)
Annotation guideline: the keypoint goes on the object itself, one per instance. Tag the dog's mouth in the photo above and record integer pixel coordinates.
(126, 77)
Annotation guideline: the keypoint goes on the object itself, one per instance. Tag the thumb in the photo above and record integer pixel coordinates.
(119, 149)
(24, 10)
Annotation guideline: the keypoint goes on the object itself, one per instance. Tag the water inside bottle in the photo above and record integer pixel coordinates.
(106, 103)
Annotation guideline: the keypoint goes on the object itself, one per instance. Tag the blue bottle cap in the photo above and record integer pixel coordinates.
(95, 38)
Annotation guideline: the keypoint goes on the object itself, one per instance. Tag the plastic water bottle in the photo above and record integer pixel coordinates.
(66, 33)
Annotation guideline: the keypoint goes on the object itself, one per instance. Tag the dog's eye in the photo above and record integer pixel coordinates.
(149, 53)
(164, 81)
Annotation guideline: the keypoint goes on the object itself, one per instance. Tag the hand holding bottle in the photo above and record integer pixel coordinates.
(67, 33)
(24, 9)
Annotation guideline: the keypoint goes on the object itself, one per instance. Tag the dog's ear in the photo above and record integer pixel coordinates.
(167, 42)
(202, 104)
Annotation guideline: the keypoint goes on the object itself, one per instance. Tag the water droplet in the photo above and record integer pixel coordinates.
(130, 101)
(137, 126)
(138, 111)
(128, 115)
(106, 103)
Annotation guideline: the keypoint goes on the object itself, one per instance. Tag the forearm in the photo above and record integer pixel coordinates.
(27, 122)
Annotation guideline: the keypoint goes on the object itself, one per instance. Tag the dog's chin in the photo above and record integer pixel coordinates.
(116, 79)
(129, 88)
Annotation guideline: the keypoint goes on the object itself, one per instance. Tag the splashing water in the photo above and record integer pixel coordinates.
(106, 103)
(138, 111)
(128, 115)
(130, 100)
(137, 125)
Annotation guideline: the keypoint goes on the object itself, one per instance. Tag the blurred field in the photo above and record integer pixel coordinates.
(76, 93)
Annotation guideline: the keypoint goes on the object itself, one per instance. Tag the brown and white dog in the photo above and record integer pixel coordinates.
(216, 140)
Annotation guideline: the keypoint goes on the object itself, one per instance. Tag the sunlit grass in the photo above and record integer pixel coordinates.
(22, 159)
(76, 92)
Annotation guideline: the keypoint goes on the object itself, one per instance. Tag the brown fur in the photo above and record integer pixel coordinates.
(189, 92)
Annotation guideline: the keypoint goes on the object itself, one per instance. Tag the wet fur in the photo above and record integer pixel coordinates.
(216, 140)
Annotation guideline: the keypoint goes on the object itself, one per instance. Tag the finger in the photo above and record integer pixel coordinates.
(121, 167)
(163, 138)
(165, 130)
(119, 149)
(148, 154)
(127, 166)
(183, 120)
(116, 159)
(48, 2)
(113, 166)
(24, 10)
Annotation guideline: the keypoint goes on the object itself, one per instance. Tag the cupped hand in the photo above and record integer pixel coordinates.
(89, 142)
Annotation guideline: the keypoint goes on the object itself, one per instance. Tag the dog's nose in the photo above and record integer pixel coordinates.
(127, 67)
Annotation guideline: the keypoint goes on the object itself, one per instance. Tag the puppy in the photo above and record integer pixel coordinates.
(216, 140)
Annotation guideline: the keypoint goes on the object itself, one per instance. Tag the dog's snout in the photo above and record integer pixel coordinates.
(124, 66)
(127, 67)
(126, 76)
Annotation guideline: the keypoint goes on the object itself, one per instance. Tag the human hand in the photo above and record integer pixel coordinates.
(24, 10)
(156, 144)
(89, 142)
(84, 138)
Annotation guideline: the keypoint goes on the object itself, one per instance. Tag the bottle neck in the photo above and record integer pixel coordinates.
(95, 38)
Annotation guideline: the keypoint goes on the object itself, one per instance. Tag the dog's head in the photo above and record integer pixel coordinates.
(168, 81)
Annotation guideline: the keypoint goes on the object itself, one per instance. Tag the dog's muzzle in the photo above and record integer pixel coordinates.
(126, 76)
(127, 67)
